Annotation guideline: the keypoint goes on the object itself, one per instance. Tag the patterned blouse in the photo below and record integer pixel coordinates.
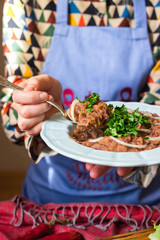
(28, 28)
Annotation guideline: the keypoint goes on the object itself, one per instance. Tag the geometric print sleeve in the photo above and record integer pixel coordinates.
(152, 93)
(19, 66)
(13, 25)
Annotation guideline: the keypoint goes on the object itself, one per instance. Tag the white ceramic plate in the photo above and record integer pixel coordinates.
(56, 132)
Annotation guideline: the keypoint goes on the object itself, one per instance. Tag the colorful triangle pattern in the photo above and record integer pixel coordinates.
(38, 18)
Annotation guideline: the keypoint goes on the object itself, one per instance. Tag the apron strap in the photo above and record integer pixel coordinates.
(139, 13)
(62, 12)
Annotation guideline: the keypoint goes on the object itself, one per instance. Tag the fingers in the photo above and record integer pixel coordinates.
(23, 84)
(41, 82)
(38, 89)
(31, 111)
(27, 124)
(97, 171)
(31, 117)
(31, 105)
(89, 166)
(47, 84)
(122, 171)
(36, 129)
(31, 97)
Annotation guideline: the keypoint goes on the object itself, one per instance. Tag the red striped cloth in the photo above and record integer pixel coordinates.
(91, 220)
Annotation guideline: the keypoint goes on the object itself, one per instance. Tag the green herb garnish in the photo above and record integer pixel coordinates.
(146, 138)
(90, 101)
(100, 130)
(121, 123)
(110, 106)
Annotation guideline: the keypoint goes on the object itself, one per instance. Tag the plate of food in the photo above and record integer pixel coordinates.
(106, 133)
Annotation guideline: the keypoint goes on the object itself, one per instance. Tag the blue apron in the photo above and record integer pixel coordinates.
(114, 62)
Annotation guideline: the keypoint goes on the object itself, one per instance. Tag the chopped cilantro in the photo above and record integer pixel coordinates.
(121, 123)
(100, 130)
(146, 138)
(90, 101)
(110, 106)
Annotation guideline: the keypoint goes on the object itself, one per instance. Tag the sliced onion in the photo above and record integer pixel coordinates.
(156, 124)
(127, 144)
(146, 114)
(96, 139)
(150, 115)
(156, 117)
(68, 114)
(144, 130)
(153, 138)
(129, 110)
(71, 113)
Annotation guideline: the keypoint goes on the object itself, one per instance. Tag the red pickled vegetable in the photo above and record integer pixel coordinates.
(71, 235)
(35, 233)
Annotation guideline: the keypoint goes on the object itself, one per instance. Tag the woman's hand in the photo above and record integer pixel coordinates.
(31, 102)
(98, 170)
